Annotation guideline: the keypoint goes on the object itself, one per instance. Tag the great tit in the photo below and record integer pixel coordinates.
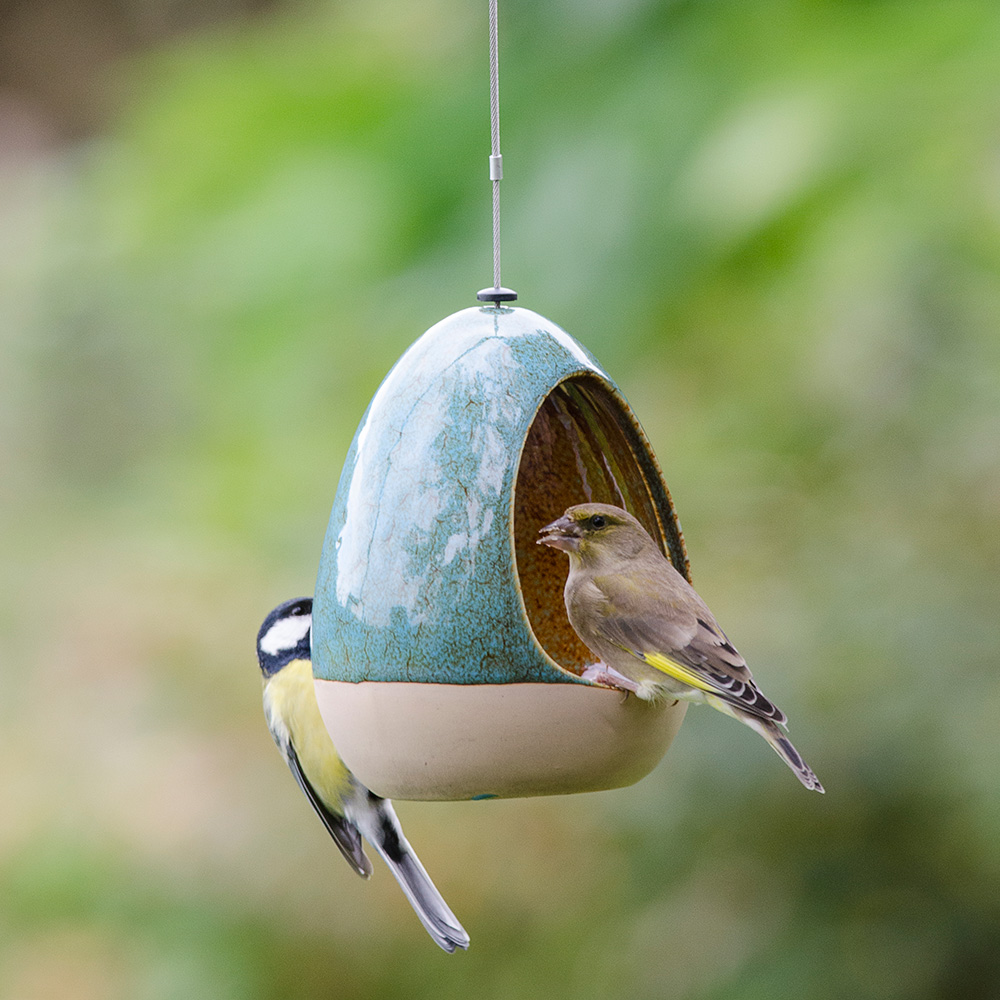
(654, 634)
(347, 808)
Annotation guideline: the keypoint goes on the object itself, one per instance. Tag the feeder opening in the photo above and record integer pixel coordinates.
(583, 446)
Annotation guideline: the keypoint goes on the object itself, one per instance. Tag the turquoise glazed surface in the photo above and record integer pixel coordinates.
(418, 578)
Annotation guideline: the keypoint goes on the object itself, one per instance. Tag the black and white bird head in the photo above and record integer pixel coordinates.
(285, 635)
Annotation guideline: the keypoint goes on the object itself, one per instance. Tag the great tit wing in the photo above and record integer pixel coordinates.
(345, 834)
(672, 630)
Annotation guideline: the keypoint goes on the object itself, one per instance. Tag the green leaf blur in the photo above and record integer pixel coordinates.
(777, 225)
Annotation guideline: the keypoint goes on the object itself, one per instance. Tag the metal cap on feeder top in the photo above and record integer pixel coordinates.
(445, 665)
(497, 295)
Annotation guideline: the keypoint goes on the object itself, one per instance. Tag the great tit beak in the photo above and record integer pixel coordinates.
(563, 533)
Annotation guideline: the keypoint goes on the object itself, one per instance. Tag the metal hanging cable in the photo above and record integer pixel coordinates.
(497, 293)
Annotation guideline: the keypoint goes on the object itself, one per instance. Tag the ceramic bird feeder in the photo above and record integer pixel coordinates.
(445, 665)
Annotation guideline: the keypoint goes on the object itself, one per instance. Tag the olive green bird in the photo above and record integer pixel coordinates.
(654, 635)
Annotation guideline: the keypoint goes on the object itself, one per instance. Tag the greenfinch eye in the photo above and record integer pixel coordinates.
(598, 521)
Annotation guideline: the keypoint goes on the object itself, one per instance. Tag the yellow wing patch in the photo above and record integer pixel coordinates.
(678, 671)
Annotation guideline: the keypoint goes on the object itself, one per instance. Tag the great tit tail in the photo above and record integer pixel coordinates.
(381, 829)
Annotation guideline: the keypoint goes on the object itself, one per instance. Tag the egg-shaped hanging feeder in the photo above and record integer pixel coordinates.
(445, 665)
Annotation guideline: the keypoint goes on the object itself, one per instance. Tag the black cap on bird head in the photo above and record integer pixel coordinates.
(611, 528)
(285, 635)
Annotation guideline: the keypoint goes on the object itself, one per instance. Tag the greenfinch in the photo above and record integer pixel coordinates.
(654, 635)
(349, 811)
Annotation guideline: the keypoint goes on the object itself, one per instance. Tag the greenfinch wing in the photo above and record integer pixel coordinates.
(690, 647)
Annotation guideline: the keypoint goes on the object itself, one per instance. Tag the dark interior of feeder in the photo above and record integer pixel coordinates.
(582, 447)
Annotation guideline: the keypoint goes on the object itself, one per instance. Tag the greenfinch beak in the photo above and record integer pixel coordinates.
(563, 534)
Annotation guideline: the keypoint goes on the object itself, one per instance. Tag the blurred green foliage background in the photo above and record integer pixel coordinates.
(776, 224)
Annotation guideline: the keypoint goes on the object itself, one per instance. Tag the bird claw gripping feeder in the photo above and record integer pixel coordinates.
(445, 665)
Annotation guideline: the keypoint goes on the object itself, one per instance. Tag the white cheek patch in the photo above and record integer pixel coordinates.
(285, 634)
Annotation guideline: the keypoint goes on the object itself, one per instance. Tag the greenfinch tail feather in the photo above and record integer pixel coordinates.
(782, 746)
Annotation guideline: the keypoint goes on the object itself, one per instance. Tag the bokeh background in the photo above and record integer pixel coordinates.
(776, 224)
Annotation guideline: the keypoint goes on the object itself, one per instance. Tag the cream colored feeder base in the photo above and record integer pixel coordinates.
(447, 741)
